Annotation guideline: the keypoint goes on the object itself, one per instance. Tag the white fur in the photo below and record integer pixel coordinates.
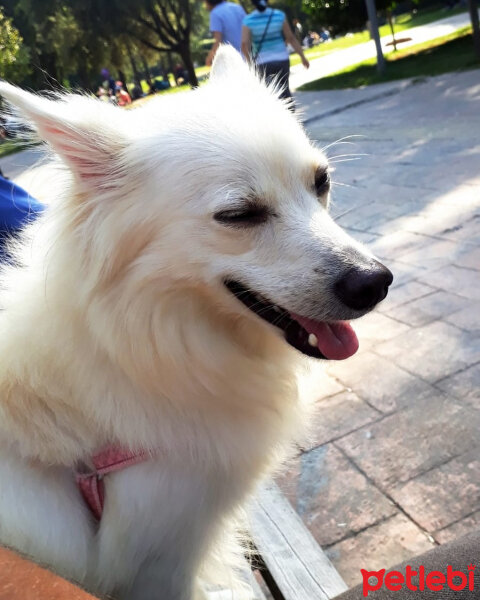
(116, 327)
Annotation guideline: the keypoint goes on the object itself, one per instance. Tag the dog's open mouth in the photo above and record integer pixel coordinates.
(333, 340)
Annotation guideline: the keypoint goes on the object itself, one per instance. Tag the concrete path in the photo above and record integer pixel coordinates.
(32, 170)
(16, 164)
(393, 465)
(339, 59)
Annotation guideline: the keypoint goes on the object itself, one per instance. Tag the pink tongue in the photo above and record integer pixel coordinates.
(336, 341)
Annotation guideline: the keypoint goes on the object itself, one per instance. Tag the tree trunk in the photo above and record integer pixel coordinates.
(172, 70)
(186, 55)
(372, 17)
(473, 9)
(136, 74)
(83, 77)
(148, 75)
(164, 66)
(169, 68)
(50, 73)
(390, 22)
(146, 68)
(123, 79)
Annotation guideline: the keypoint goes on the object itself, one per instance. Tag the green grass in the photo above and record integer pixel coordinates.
(408, 20)
(452, 52)
(402, 22)
(201, 74)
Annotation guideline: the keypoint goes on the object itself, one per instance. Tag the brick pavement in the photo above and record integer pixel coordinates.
(393, 464)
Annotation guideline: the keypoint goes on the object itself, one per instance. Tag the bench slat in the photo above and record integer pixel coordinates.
(297, 565)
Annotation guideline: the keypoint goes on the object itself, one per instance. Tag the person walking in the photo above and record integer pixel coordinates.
(123, 97)
(225, 24)
(265, 35)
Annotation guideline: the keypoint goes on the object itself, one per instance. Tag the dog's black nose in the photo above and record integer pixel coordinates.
(362, 289)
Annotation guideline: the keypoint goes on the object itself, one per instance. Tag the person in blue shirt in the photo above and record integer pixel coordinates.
(225, 24)
(17, 208)
(265, 35)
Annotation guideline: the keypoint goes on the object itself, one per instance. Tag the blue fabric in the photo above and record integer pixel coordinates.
(226, 18)
(17, 208)
(273, 47)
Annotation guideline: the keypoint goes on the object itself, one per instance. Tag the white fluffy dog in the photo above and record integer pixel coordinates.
(161, 306)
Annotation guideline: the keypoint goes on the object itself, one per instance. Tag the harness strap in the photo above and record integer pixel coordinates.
(109, 460)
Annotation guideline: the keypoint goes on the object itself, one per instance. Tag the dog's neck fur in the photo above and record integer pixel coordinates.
(150, 376)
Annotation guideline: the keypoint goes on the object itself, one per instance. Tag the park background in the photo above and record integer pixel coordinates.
(67, 43)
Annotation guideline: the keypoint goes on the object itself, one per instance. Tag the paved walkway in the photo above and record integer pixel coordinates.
(393, 466)
(15, 165)
(339, 59)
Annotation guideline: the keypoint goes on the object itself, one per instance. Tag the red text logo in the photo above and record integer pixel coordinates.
(418, 580)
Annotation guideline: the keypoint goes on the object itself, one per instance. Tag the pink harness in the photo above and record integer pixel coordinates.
(107, 461)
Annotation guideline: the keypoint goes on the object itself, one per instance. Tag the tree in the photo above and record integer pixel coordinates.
(160, 26)
(388, 12)
(165, 26)
(372, 17)
(133, 63)
(387, 7)
(59, 44)
(473, 9)
(35, 21)
(69, 42)
(340, 16)
(14, 56)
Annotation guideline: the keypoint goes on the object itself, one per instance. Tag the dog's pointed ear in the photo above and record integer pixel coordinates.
(229, 64)
(78, 129)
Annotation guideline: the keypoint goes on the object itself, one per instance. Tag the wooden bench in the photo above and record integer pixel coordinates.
(290, 562)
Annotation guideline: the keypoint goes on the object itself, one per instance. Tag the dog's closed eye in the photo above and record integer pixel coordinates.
(248, 215)
(322, 181)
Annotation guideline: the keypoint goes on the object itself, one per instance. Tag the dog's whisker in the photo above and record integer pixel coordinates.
(248, 291)
(345, 212)
(342, 184)
(330, 158)
(346, 160)
(342, 141)
(264, 304)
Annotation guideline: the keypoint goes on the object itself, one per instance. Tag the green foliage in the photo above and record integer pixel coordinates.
(69, 42)
(442, 55)
(341, 16)
(201, 42)
(58, 44)
(8, 147)
(164, 25)
(14, 56)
